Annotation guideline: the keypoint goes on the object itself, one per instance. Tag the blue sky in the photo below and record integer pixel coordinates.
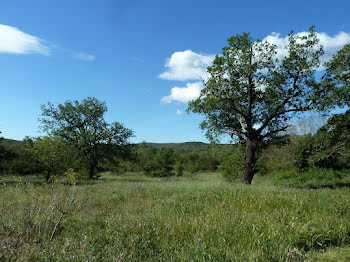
(144, 58)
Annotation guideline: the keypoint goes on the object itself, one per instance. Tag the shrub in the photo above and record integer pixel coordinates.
(193, 166)
(162, 163)
(179, 168)
(302, 148)
(232, 165)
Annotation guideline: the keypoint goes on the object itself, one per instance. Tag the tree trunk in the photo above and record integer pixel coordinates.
(250, 161)
(92, 170)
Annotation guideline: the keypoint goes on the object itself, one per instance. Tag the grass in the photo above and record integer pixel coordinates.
(193, 218)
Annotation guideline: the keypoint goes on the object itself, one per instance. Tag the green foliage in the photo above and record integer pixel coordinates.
(332, 143)
(82, 125)
(301, 148)
(337, 78)
(328, 148)
(232, 165)
(251, 93)
(193, 157)
(200, 160)
(7, 154)
(179, 168)
(278, 156)
(144, 154)
(192, 166)
(24, 163)
(53, 154)
(162, 163)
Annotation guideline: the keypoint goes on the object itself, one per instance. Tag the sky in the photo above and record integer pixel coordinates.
(144, 58)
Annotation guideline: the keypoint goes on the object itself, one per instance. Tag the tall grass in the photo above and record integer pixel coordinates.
(202, 218)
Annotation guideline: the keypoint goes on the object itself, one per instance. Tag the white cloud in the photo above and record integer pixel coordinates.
(179, 112)
(331, 44)
(187, 65)
(14, 41)
(83, 56)
(184, 94)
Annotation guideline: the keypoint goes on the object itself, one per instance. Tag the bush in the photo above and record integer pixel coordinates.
(233, 163)
(302, 148)
(193, 166)
(162, 163)
(179, 168)
(144, 155)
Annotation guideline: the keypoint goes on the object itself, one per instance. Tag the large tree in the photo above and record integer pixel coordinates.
(253, 89)
(82, 125)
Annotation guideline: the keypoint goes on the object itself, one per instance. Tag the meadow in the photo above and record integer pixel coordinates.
(199, 217)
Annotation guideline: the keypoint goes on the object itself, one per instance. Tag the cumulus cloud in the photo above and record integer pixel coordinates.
(179, 112)
(14, 41)
(184, 94)
(186, 65)
(83, 56)
(331, 44)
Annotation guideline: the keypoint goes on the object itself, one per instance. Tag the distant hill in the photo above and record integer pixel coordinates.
(176, 146)
(13, 142)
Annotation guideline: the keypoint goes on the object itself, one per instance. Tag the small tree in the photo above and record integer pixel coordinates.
(53, 155)
(82, 125)
(251, 93)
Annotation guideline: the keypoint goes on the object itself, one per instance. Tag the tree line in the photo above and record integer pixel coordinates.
(326, 149)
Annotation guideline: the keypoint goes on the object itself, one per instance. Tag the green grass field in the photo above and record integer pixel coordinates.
(200, 218)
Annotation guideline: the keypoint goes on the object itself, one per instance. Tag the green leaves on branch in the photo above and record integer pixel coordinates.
(337, 79)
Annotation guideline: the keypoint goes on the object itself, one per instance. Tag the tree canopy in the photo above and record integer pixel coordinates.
(82, 125)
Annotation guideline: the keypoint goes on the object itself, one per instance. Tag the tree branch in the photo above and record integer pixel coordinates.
(274, 132)
(278, 110)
